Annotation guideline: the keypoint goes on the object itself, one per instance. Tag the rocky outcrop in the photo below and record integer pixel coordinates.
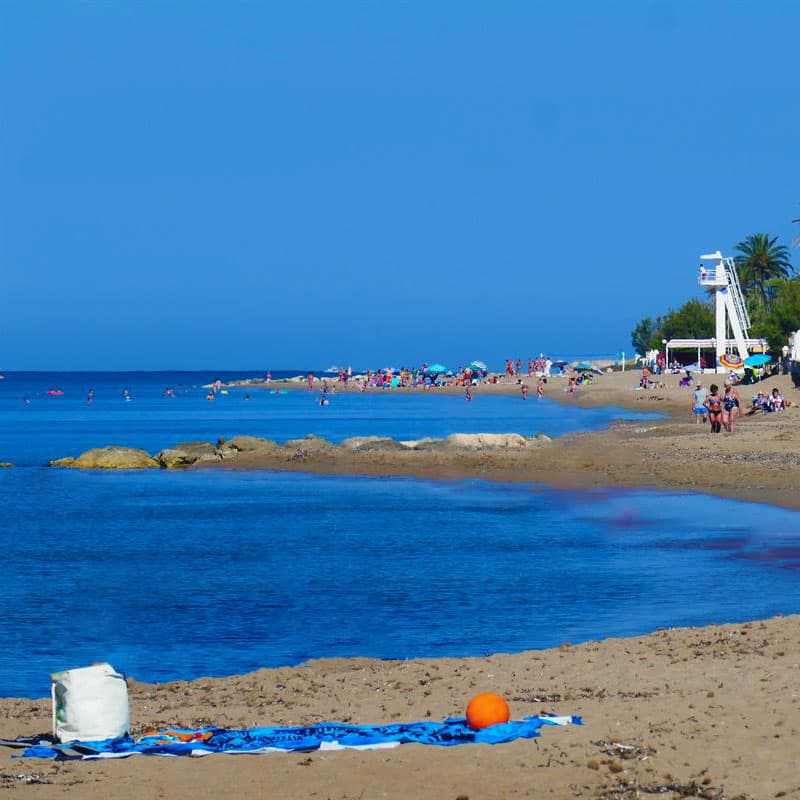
(311, 444)
(5, 464)
(482, 441)
(186, 454)
(368, 443)
(248, 444)
(67, 461)
(113, 457)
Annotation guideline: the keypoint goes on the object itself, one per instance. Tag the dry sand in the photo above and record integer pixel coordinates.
(709, 712)
(699, 712)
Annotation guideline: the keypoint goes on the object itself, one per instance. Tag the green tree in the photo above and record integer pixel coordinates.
(783, 317)
(760, 261)
(693, 320)
(647, 335)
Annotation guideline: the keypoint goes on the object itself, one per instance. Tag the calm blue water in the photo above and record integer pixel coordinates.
(51, 427)
(176, 575)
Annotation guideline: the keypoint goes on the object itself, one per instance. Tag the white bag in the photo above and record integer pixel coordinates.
(89, 704)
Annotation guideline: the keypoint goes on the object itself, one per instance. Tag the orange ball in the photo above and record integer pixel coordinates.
(487, 709)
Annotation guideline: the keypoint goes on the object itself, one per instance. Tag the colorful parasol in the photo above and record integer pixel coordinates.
(731, 361)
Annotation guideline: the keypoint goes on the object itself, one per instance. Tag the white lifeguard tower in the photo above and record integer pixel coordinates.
(730, 311)
(730, 303)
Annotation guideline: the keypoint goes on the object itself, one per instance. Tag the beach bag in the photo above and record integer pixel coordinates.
(89, 704)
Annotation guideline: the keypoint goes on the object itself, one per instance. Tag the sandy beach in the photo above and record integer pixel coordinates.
(702, 712)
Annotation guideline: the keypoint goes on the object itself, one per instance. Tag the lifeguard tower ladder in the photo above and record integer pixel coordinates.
(730, 303)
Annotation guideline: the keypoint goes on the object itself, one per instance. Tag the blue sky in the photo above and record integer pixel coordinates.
(289, 184)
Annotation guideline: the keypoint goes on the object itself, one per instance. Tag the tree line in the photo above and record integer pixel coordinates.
(771, 291)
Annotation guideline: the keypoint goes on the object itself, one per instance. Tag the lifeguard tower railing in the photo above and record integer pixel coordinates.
(724, 276)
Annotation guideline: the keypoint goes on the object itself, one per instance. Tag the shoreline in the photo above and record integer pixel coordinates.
(594, 395)
(671, 711)
(760, 462)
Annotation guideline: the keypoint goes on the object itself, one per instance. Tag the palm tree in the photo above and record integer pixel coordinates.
(760, 261)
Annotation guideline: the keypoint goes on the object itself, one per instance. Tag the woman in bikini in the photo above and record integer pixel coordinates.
(714, 405)
(730, 408)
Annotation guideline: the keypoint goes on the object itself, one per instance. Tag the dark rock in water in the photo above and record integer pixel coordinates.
(113, 457)
(186, 454)
(5, 464)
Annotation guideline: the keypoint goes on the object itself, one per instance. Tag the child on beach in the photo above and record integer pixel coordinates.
(468, 395)
(540, 389)
(524, 391)
(775, 401)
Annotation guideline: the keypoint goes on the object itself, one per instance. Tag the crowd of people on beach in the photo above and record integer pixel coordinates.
(721, 408)
(433, 376)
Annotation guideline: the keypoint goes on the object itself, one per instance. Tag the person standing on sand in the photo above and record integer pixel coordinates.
(524, 391)
(540, 389)
(730, 408)
(310, 381)
(699, 403)
(714, 405)
(468, 395)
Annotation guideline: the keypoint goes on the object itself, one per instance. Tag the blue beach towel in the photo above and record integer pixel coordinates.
(328, 736)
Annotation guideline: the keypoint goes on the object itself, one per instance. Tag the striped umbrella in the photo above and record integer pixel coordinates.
(731, 361)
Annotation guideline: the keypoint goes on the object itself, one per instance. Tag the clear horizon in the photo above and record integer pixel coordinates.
(340, 183)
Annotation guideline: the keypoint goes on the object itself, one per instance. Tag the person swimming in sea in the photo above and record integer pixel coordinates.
(90, 396)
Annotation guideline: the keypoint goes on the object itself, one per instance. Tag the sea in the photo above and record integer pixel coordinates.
(175, 575)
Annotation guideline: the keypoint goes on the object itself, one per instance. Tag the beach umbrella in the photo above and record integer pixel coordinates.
(758, 360)
(584, 367)
(731, 361)
(435, 369)
(478, 365)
